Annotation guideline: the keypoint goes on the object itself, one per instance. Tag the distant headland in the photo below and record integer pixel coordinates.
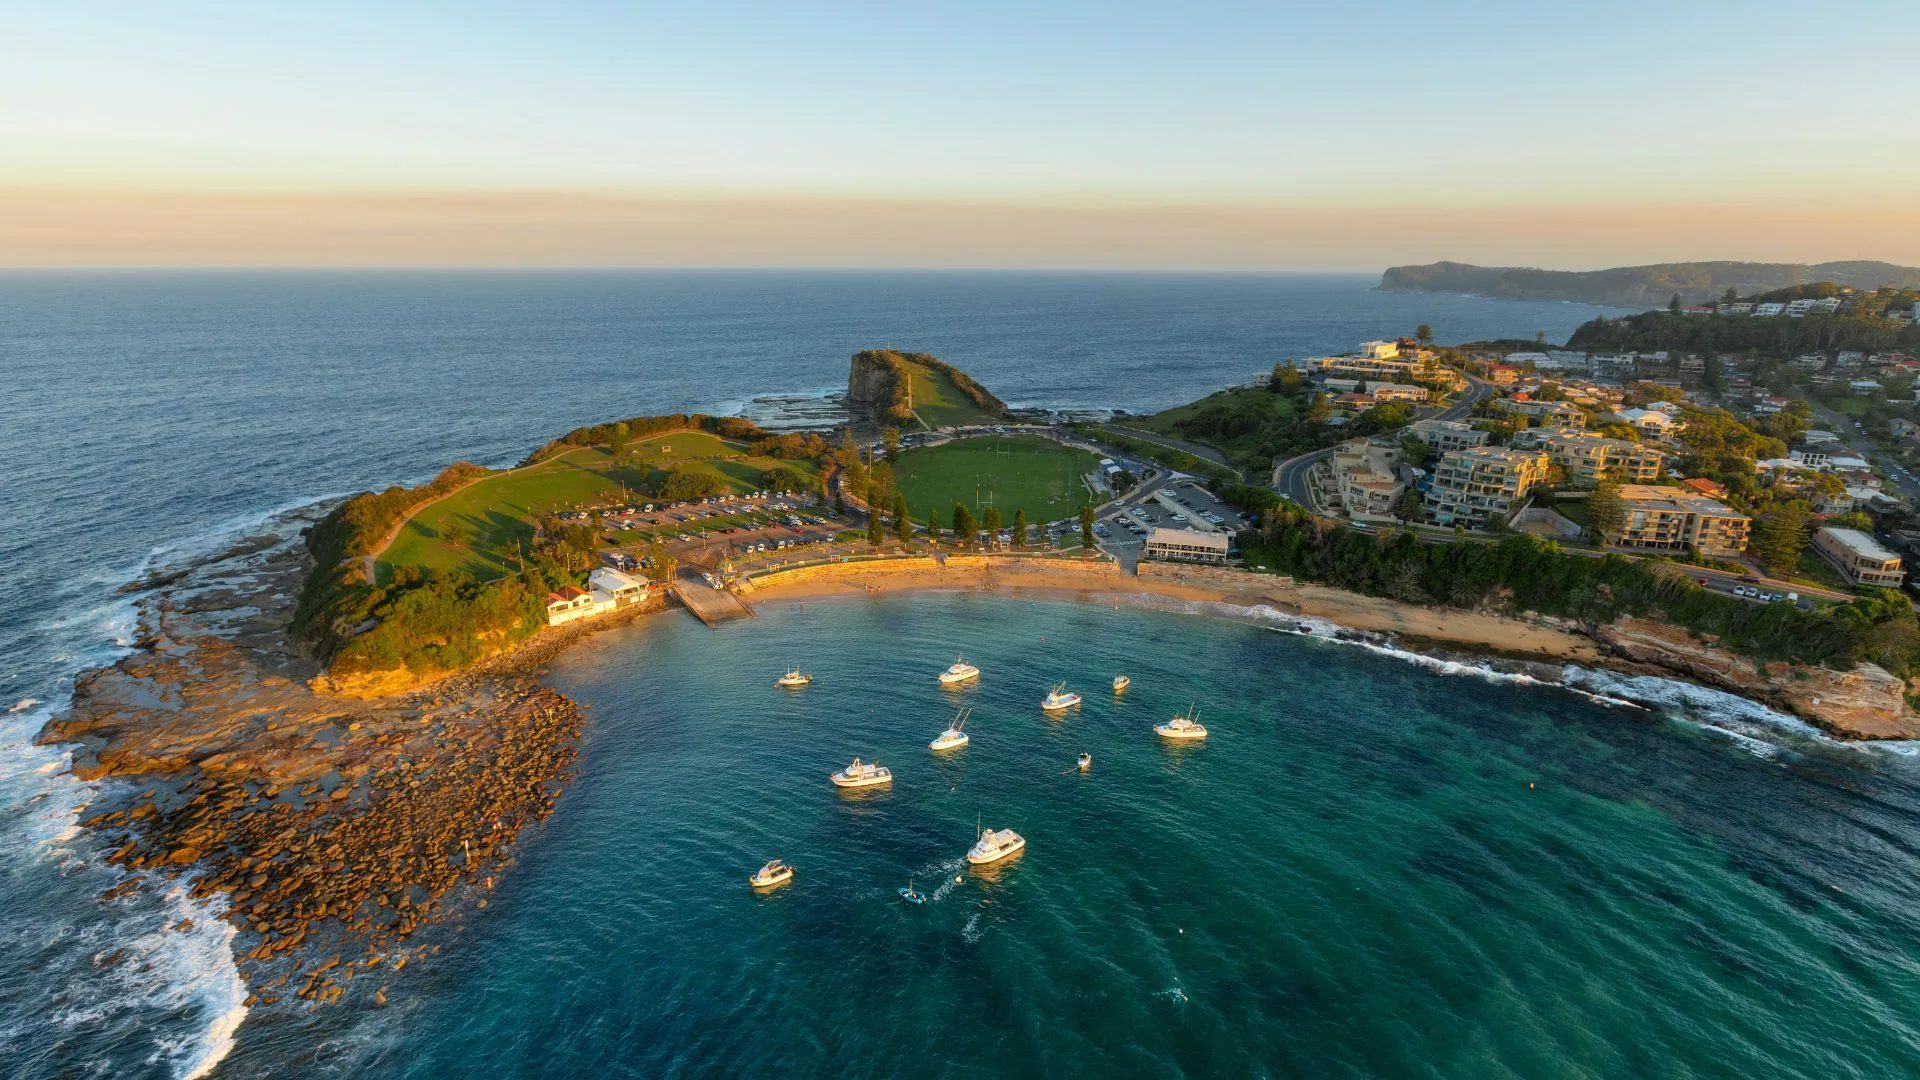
(1640, 286)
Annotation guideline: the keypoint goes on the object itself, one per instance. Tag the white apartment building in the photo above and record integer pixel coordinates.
(1472, 486)
(1859, 556)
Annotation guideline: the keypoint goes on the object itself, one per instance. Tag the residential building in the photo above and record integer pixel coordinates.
(567, 603)
(1650, 421)
(1186, 545)
(1471, 486)
(1379, 350)
(1670, 518)
(1810, 361)
(1502, 374)
(1817, 436)
(1858, 556)
(623, 589)
(1802, 308)
(1736, 309)
(1589, 459)
(1700, 485)
(1865, 387)
(1442, 436)
(1767, 311)
(1550, 414)
(1399, 392)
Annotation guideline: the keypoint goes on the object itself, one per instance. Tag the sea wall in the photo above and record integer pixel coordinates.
(959, 566)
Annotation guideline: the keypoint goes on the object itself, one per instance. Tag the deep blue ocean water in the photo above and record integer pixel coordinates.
(1363, 890)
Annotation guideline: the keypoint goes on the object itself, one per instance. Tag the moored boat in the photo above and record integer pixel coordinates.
(994, 845)
(1184, 725)
(1086, 762)
(909, 895)
(1120, 684)
(953, 738)
(959, 672)
(862, 774)
(1059, 699)
(774, 873)
(793, 680)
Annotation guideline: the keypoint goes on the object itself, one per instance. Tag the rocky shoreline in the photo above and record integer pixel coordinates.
(335, 829)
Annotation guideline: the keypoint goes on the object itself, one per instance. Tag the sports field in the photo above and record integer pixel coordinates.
(496, 515)
(1010, 472)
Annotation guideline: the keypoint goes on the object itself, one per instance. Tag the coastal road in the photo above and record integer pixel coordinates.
(1291, 479)
(1898, 479)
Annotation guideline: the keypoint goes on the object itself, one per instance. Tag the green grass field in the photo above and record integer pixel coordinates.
(1237, 448)
(1019, 472)
(941, 404)
(498, 512)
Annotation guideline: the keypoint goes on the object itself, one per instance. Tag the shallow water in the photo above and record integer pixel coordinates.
(1371, 869)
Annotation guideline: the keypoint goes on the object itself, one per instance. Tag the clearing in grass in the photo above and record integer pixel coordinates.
(1007, 472)
(481, 527)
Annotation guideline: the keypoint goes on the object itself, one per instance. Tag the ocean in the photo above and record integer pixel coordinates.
(1352, 878)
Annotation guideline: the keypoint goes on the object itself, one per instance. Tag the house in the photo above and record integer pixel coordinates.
(1670, 518)
(1589, 459)
(1850, 358)
(1865, 387)
(1736, 309)
(1370, 495)
(1649, 421)
(1818, 436)
(1767, 311)
(1811, 459)
(1471, 486)
(1859, 557)
(1186, 545)
(567, 603)
(1502, 374)
(1902, 427)
(1700, 485)
(1697, 309)
(1442, 436)
(1769, 404)
(623, 589)
(1802, 308)
(1400, 392)
(1550, 414)
(1379, 350)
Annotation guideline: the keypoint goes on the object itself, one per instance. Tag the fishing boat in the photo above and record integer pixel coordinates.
(1059, 699)
(960, 672)
(994, 845)
(774, 873)
(1086, 762)
(909, 895)
(793, 680)
(1184, 725)
(953, 738)
(1120, 684)
(862, 774)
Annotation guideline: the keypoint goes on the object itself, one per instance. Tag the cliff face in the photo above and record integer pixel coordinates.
(1866, 703)
(874, 393)
(1639, 286)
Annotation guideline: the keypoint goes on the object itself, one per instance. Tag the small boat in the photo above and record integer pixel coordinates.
(774, 873)
(953, 738)
(960, 672)
(793, 680)
(994, 845)
(862, 774)
(1120, 684)
(909, 895)
(1059, 698)
(1182, 726)
(1086, 762)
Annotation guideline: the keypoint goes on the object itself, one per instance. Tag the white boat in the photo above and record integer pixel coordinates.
(774, 873)
(1086, 762)
(1182, 726)
(793, 680)
(863, 774)
(1059, 698)
(994, 845)
(960, 672)
(953, 737)
(1120, 684)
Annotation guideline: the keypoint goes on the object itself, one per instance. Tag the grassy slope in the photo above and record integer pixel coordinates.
(1164, 423)
(938, 402)
(501, 509)
(1039, 476)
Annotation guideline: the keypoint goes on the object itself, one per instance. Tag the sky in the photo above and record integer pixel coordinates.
(1193, 135)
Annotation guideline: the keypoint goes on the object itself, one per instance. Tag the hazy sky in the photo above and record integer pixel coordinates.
(1755, 130)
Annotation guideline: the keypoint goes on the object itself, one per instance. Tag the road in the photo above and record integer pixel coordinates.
(1291, 479)
(1900, 481)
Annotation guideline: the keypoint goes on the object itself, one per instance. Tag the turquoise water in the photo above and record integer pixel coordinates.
(1371, 869)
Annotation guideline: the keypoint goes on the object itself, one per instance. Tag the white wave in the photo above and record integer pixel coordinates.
(971, 932)
(23, 704)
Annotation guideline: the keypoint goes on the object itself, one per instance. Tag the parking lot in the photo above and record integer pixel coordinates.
(1182, 505)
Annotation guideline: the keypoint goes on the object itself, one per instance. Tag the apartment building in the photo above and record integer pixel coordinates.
(1589, 459)
(1859, 556)
(1472, 486)
(1186, 545)
(1444, 436)
(1550, 414)
(1670, 518)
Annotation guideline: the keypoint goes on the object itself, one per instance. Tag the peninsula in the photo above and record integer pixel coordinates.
(340, 725)
(1640, 286)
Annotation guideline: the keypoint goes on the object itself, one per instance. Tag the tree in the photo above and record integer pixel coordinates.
(1780, 535)
(933, 526)
(902, 524)
(454, 532)
(781, 478)
(891, 439)
(876, 532)
(1731, 296)
(1673, 305)
(1019, 528)
(660, 565)
(1424, 334)
(618, 442)
(1086, 527)
(990, 521)
(1605, 512)
(1320, 411)
(964, 528)
(1410, 506)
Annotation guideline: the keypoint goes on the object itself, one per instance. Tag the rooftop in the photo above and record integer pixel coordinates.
(1859, 543)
